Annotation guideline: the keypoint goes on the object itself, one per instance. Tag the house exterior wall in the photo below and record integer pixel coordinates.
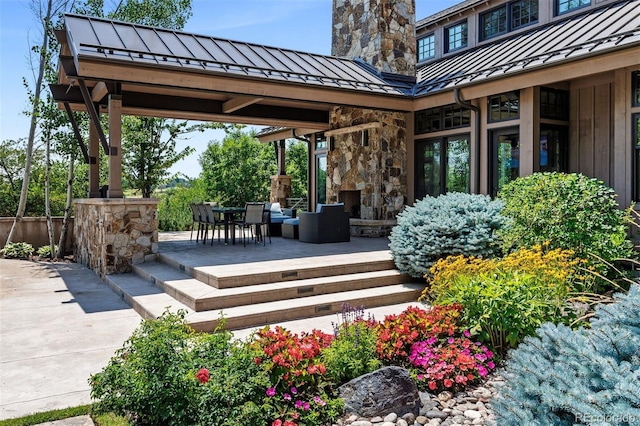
(378, 170)
(380, 32)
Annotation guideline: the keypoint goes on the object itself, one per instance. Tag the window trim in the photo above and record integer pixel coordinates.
(635, 88)
(444, 162)
(635, 160)
(501, 120)
(447, 44)
(509, 26)
(426, 58)
(557, 12)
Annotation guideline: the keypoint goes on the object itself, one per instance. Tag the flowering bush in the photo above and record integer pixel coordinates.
(297, 394)
(353, 350)
(453, 363)
(398, 332)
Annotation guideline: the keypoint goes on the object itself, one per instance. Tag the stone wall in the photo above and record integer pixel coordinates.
(377, 170)
(380, 32)
(114, 233)
(280, 189)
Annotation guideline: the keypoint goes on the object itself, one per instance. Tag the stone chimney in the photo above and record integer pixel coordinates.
(380, 32)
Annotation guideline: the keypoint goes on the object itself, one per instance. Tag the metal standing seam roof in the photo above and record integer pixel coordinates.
(596, 32)
(102, 39)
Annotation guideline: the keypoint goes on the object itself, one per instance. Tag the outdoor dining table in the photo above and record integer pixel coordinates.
(229, 215)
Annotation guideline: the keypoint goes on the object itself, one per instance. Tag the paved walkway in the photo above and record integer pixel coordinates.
(59, 323)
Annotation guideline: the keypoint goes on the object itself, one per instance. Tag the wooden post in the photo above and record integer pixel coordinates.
(115, 151)
(282, 167)
(94, 162)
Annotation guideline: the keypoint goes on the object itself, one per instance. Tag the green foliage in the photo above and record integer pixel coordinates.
(297, 167)
(174, 213)
(238, 169)
(17, 250)
(569, 211)
(353, 350)
(47, 416)
(45, 251)
(450, 224)
(587, 376)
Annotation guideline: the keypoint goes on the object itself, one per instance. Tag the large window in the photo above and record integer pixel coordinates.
(554, 104)
(553, 148)
(636, 157)
(508, 17)
(456, 36)
(442, 165)
(426, 47)
(505, 162)
(441, 118)
(565, 6)
(505, 106)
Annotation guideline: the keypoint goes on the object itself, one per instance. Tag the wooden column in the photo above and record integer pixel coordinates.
(115, 151)
(282, 167)
(528, 122)
(94, 162)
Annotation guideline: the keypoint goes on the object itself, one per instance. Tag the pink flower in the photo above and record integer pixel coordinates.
(287, 397)
(482, 371)
(491, 365)
(466, 333)
(271, 391)
(203, 375)
(294, 390)
(306, 406)
(298, 404)
(277, 423)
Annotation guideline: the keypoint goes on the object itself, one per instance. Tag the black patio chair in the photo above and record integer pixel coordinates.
(196, 218)
(215, 220)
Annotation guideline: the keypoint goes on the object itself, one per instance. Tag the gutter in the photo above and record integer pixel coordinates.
(476, 110)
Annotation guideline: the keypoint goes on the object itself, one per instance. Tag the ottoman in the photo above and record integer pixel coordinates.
(290, 228)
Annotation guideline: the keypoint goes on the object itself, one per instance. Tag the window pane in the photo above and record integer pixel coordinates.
(554, 104)
(427, 168)
(426, 48)
(494, 22)
(458, 172)
(505, 106)
(523, 12)
(507, 160)
(456, 36)
(565, 6)
(321, 178)
(553, 148)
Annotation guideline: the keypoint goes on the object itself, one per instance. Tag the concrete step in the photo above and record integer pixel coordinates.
(202, 297)
(150, 302)
(273, 271)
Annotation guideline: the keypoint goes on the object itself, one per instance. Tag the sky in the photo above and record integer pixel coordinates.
(293, 24)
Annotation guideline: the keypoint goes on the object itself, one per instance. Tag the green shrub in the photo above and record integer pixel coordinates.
(569, 211)
(45, 251)
(156, 377)
(353, 350)
(17, 251)
(506, 299)
(450, 224)
(588, 376)
(174, 213)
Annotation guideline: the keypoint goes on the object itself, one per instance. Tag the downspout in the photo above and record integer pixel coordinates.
(308, 142)
(476, 110)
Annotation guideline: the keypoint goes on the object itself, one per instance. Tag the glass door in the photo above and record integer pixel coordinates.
(321, 178)
(505, 158)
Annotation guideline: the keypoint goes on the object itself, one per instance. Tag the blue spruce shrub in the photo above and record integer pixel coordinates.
(588, 376)
(451, 224)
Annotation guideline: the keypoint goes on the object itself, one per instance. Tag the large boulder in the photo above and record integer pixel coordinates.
(384, 391)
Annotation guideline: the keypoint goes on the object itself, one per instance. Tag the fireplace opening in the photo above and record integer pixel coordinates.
(351, 200)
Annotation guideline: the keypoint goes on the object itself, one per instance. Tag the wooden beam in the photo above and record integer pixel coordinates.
(239, 102)
(352, 129)
(99, 91)
(93, 114)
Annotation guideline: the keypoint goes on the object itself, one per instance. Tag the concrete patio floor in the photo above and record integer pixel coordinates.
(59, 323)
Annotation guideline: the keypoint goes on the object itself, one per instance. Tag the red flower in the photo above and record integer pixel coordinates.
(448, 383)
(277, 423)
(432, 385)
(203, 375)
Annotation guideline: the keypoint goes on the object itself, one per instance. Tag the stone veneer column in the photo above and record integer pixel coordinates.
(380, 32)
(280, 189)
(378, 170)
(111, 234)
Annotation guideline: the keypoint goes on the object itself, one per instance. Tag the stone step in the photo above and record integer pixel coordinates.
(150, 302)
(202, 297)
(272, 271)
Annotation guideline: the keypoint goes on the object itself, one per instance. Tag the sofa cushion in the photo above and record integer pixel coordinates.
(294, 221)
(275, 208)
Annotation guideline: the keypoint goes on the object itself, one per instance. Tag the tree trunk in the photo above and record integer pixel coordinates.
(47, 198)
(22, 204)
(67, 210)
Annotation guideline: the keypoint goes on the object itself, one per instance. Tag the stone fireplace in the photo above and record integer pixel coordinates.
(368, 174)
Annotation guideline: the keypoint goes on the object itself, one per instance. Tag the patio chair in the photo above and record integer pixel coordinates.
(196, 218)
(330, 224)
(216, 220)
(256, 217)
